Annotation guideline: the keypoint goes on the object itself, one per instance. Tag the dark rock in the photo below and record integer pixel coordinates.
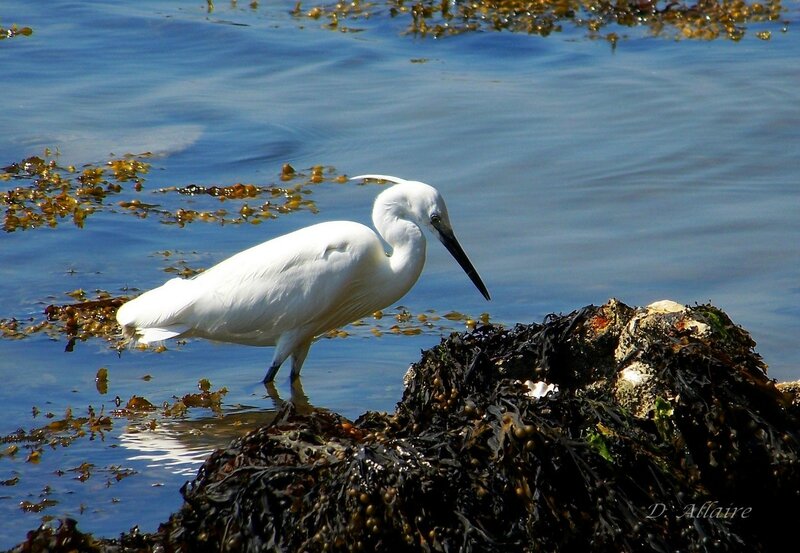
(608, 429)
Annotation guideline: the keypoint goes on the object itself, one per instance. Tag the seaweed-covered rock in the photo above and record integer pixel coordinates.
(608, 429)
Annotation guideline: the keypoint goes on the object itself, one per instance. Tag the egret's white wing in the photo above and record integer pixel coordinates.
(300, 281)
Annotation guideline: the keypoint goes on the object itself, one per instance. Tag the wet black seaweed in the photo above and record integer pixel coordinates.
(470, 461)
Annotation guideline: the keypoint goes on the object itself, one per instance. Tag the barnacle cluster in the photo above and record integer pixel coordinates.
(702, 19)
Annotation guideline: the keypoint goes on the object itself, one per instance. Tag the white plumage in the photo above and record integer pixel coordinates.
(289, 290)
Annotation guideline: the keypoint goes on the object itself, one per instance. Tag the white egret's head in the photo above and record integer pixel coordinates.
(422, 204)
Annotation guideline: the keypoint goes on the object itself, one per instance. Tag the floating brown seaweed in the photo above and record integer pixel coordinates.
(47, 192)
(15, 30)
(704, 20)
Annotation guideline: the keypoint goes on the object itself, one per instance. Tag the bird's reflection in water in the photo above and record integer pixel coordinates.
(298, 398)
(180, 446)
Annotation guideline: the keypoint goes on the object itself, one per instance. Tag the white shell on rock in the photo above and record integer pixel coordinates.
(539, 389)
(666, 306)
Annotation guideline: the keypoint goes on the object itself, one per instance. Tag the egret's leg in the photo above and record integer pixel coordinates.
(273, 370)
(280, 355)
(298, 357)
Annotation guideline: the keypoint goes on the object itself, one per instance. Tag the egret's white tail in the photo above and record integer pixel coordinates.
(155, 316)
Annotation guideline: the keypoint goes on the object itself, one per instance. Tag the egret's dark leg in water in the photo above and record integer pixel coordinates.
(298, 357)
(270, 376)
(298, 354)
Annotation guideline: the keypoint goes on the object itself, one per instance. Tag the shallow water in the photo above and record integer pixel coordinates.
(573, 172)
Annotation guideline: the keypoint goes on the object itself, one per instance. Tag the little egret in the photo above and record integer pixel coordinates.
(287, 291)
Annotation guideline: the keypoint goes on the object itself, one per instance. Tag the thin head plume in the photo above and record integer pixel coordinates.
(389, 178)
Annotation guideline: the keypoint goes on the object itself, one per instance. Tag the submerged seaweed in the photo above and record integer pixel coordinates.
(474, 460)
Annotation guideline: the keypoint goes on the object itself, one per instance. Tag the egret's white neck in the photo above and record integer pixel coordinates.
(407, 243)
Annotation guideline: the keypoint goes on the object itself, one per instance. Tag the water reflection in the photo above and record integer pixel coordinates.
(181, 446)
(298, 396)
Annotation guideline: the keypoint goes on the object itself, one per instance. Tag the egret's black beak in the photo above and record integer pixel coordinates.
(448, 238)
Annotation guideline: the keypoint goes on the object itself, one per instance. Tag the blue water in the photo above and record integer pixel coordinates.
(573, 173)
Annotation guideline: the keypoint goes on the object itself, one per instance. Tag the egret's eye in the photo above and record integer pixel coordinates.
(435, 219)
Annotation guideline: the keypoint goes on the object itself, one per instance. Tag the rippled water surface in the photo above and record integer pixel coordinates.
(573, 173)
